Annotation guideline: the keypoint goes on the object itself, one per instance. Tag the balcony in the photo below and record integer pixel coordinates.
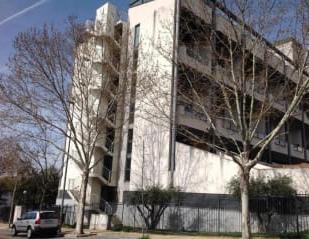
(107, 174)
(297, 151)
(227, 129)
(224, 75)
(91, 31)
(197, 57)
(199, 9)
(103, 170)
(189, 116)
(191, 112)
(259, 135)
(280, 145)
(109, 61)
(259, 94)
(111, 116)
(104, 83)
(109, 140)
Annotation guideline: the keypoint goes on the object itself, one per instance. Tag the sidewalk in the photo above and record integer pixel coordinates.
(91, 234)
(133, 235)
(4, 226)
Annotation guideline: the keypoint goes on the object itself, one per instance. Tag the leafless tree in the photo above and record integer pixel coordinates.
(13, 165)
(56, 83)
(231, 78)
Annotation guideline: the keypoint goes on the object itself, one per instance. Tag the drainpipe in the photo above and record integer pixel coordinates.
(172, 142)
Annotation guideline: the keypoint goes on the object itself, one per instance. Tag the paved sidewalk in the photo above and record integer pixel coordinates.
(90, 234)
(134, 235)
(4, 225)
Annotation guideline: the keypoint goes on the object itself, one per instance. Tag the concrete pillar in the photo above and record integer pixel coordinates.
(17, 212)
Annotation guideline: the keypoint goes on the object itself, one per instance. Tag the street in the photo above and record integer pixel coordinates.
(5, 234)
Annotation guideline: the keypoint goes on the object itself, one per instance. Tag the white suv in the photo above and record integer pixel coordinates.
(36, 222)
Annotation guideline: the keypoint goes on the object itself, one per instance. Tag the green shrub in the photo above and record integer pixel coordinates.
(144, 237)
(117, 227)
(127, 229)
(277, 186)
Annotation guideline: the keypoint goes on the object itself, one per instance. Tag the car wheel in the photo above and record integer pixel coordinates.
(29, 232)
(55, 233)
(13, 231)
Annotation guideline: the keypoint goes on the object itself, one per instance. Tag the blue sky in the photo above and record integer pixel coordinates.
(19, 15)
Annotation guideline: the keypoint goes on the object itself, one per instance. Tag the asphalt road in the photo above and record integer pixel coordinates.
(5, 234)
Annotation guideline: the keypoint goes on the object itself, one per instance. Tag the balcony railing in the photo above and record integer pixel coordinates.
(260, 135)
(103, 206)
(107, 174)
(280, 141)
(228, 124)
(109, 144)
(297, 148)
(193, 113)
(89, 25)
(198, 56)
(200, 53)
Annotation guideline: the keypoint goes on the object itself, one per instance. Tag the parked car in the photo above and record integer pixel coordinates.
(36, 222)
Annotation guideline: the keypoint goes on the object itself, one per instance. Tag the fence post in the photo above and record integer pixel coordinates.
(134, 218)
(219, 206)
(198, 219)
(122, 213)
(297, 222)
(178, 219)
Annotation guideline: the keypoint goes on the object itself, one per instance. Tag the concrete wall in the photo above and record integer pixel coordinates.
(201, 171)
(106, 20)
(152, 103)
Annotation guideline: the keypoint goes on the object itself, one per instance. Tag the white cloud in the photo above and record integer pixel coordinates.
(27, 9)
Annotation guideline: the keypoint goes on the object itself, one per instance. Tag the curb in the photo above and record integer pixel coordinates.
(73, 235)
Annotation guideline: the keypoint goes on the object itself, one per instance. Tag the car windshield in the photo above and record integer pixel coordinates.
(48, 215)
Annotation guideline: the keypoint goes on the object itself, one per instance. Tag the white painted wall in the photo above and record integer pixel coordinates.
(151, 124)
(200, 171)
(106, 19)
(204, 172)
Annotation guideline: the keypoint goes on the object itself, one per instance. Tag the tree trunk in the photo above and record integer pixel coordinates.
(13, 203)
(245, 213)
(81, 204)
(42, 198)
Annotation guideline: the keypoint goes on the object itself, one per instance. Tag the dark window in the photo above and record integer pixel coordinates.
(29, 215)
(136, 35)
(48, 215)
(134, 3)
(33, 215)
(127, 173)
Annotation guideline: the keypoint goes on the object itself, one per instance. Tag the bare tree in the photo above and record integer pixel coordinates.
(13, 166)
(231, 78)
(56, 82)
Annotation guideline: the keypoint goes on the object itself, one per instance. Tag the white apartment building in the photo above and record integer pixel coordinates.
(147, 146)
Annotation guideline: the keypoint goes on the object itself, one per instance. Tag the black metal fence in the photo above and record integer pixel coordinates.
(268, 214)
(218, 215)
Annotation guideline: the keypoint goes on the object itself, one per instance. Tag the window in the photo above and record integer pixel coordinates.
(127, 173)
(136, 35)
(48, 215)
(134, 3)
(29, 215)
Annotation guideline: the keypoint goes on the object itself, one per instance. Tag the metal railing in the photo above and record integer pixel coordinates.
(106, 207)
(107, 174)
(267, 215)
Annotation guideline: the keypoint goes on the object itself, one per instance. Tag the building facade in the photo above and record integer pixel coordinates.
(148, 147)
